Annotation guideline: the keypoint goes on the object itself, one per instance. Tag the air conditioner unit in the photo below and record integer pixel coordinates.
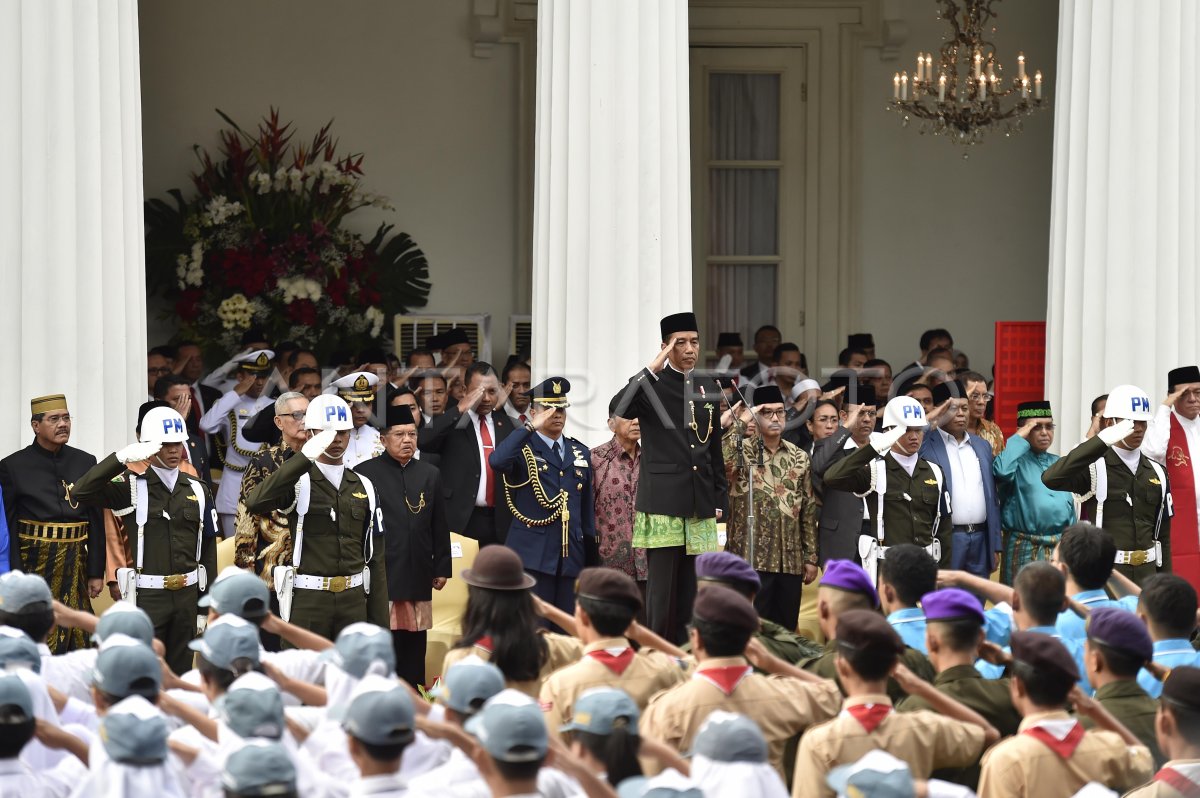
(413, 331)
(520, 336)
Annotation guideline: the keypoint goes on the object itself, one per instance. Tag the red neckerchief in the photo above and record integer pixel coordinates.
(726, 679)
(617, 663)
(869, 716)
(1181, 783)
(485, 643)
(1064, 747)
(1185, 540)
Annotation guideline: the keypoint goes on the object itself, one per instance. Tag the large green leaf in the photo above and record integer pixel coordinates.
(403, 269)
(164, 241)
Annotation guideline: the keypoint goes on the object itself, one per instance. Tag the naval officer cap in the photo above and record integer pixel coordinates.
(1121, 631)
(850, 577)
(720, 605)
(677, 323)
(21, 592)
(259, 768)
(468, 684)
(238, 592)
(126, 667)
(608, 584)
(551, 392)
(1184, 375)
(952, 604)
(1043, 654)
(727, 567)
(226, 640)
(256, 362)
(357, 387)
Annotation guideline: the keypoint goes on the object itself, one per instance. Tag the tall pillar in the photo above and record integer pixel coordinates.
(1124, 288)
(73, 298)
(612, 217)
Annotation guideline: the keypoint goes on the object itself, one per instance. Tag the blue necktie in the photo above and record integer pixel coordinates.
(558, 450)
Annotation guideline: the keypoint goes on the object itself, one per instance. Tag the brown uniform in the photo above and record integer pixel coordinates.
(925, 740)
(825, 666)
(781, 706)
(1179, 778)
(1024, 765)
(563, 651)
(647, 673)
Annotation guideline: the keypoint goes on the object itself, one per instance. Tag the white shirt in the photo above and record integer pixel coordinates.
(1132, 458)
(390, 786)
(481, 491)
(966, 481)
(1157, 442)
(69, 673)
(459, 778)
(333, 473)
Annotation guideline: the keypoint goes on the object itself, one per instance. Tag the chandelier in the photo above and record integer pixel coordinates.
(963, 107)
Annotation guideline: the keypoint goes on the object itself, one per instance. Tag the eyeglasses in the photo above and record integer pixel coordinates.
(56, 419)
(160, 370)
(980, 397)
(772, 413)
(297, 416)
(1046, 427)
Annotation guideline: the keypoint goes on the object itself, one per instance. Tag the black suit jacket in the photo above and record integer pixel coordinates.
(452, 437)
(262, 429)
(841, 520)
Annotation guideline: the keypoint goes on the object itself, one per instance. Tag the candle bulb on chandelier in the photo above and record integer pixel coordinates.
(904, 86)
(920, 68)
(1021, 66)
(1025, 88)
(896, 87)
(982, 88)
(991, 71)
(978, 63)
(1037, 85)
(942, 88)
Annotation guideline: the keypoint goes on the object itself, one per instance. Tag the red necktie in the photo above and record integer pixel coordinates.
(617, 663)
(486, 436)
(1064, 747)
(869, 716)
(521, 418)
(1181, 783)
(726, 679)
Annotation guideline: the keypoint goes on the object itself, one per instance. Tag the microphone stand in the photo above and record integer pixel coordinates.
(749, 470)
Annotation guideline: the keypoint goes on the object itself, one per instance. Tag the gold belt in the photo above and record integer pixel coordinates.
(71, 532)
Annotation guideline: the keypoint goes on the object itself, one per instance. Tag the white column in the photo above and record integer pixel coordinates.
(72, 301)
(612, 218)
(1124, 288)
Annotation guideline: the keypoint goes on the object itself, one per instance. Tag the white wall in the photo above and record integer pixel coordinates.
(946, 242)
(437, 126)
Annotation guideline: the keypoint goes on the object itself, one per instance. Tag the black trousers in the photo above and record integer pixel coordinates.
(670, 591)
(481, 526)
(410, 655)
(779, 598)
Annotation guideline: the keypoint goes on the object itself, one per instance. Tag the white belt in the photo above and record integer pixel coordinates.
(1140, 557)
(171, 582)
(334, 584)
(934, 550)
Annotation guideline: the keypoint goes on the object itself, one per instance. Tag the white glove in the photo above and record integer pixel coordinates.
(1116, 433)
(317, 444)
(884, 441)
(137, 452)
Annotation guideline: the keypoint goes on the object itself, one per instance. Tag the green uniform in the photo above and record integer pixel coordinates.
(174, 522)
(1136, 512)
(786, 645)
(341, 538)
(1131, 705)
(989, 697)
(914, 660)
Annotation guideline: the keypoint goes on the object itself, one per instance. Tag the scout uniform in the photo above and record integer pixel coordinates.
(176, 529)
(925, 740)
(783, 707)
(905, 495)
(1180, 777)
(729, 757)
(548, 489)
(1052, 753)
(49, 532)
(365, 443)
(261, 767)
(225, 419)
(1122, 491)
(336, 574)
(380, 717)
(1125, 633)
(608, 661)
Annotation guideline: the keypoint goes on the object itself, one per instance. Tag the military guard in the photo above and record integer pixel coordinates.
(339, 577)
(226, 418)
(906, 495)
(548, 488)
(359, 391)
(1122, 491)
(176, 527)
(50, 533)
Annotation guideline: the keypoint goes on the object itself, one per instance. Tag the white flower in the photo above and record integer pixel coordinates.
(295, 180)
(219, 211)
(375, 317)
(235, 312)
(260, 181)
(280, 181)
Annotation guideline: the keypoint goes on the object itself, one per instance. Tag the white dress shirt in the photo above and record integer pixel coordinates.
(966, 481)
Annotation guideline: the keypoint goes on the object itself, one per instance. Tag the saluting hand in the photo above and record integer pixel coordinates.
(1177, 394)
(1027, 428)
(470, 400)
(243, 384)
(660, 359)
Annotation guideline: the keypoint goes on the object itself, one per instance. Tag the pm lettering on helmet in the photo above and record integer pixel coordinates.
(1140, 404)
(172, 425)
(335, 413)
(911, 411)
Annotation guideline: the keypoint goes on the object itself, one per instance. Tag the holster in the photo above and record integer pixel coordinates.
(127, 584)
(285, 584)
(868, 550)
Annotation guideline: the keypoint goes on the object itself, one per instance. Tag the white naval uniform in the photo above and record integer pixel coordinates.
(364, 444)
(216, 422)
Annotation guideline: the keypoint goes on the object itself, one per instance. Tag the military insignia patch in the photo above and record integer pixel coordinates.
(931, 482)
(362, 384)
(359, 495)
(1154, 481)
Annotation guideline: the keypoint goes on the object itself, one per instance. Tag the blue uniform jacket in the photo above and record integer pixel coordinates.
(933, 448)
(540, 546)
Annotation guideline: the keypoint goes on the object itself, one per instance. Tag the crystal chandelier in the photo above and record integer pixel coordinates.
(963, 107)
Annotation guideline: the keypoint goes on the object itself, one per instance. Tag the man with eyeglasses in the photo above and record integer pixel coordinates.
(1173, 439)
(158, 365)
(841, 515)
(785, 530)
(1032, 515)
(49, 533)
(978, 397)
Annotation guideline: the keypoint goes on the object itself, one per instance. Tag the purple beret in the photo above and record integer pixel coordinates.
(724, 566)
(1122, 631)
(849, 576)
(1043, 653)
(951, 604)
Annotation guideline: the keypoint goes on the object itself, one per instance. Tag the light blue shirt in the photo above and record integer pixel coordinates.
(1169, 654)
(1026, 504)
(910, 625)
(1075, 647)
(560, 445)
(1071, 626)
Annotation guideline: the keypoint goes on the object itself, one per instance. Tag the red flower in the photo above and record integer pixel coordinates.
(187, 307)
(302, 311)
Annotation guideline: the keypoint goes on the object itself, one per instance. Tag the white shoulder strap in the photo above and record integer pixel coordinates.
(1166, 503)
(141, 503)
(375, 525)
(303, 497)
(198, 492)
(879, 487)
(1100, 488)
(942, 494)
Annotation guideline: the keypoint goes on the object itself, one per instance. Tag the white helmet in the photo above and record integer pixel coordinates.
(328, 411)
(904, 411)
(163, 425)
(1128, 401)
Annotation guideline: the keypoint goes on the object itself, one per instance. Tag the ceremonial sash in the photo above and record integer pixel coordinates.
(869, 716)
(615, 662)
(1064, 747)
(1181, 783)
(725, 679)
(1185, 538)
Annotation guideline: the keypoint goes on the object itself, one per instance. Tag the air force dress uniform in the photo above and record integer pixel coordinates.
(548, 489)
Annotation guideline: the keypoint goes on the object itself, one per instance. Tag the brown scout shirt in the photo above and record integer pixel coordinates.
(563, 650)
(1189, 769)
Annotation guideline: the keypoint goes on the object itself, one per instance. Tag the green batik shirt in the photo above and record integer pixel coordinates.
(785, 529)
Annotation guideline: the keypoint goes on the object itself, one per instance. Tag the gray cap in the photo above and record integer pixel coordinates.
(468, 684)
(238, 592)
(252, 707)
(360, 644)
(259, 768)
(227, 639)
(729, 737)
(877, 774)
(668, 784)
(134, 732)
(511, 727)
(126, 667)
(125, 618)
(20, 591)
(601, 709)
(17, 649)
(381, 713)
(14, 693)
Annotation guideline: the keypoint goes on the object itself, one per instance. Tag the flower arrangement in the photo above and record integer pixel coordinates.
(262, 245)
